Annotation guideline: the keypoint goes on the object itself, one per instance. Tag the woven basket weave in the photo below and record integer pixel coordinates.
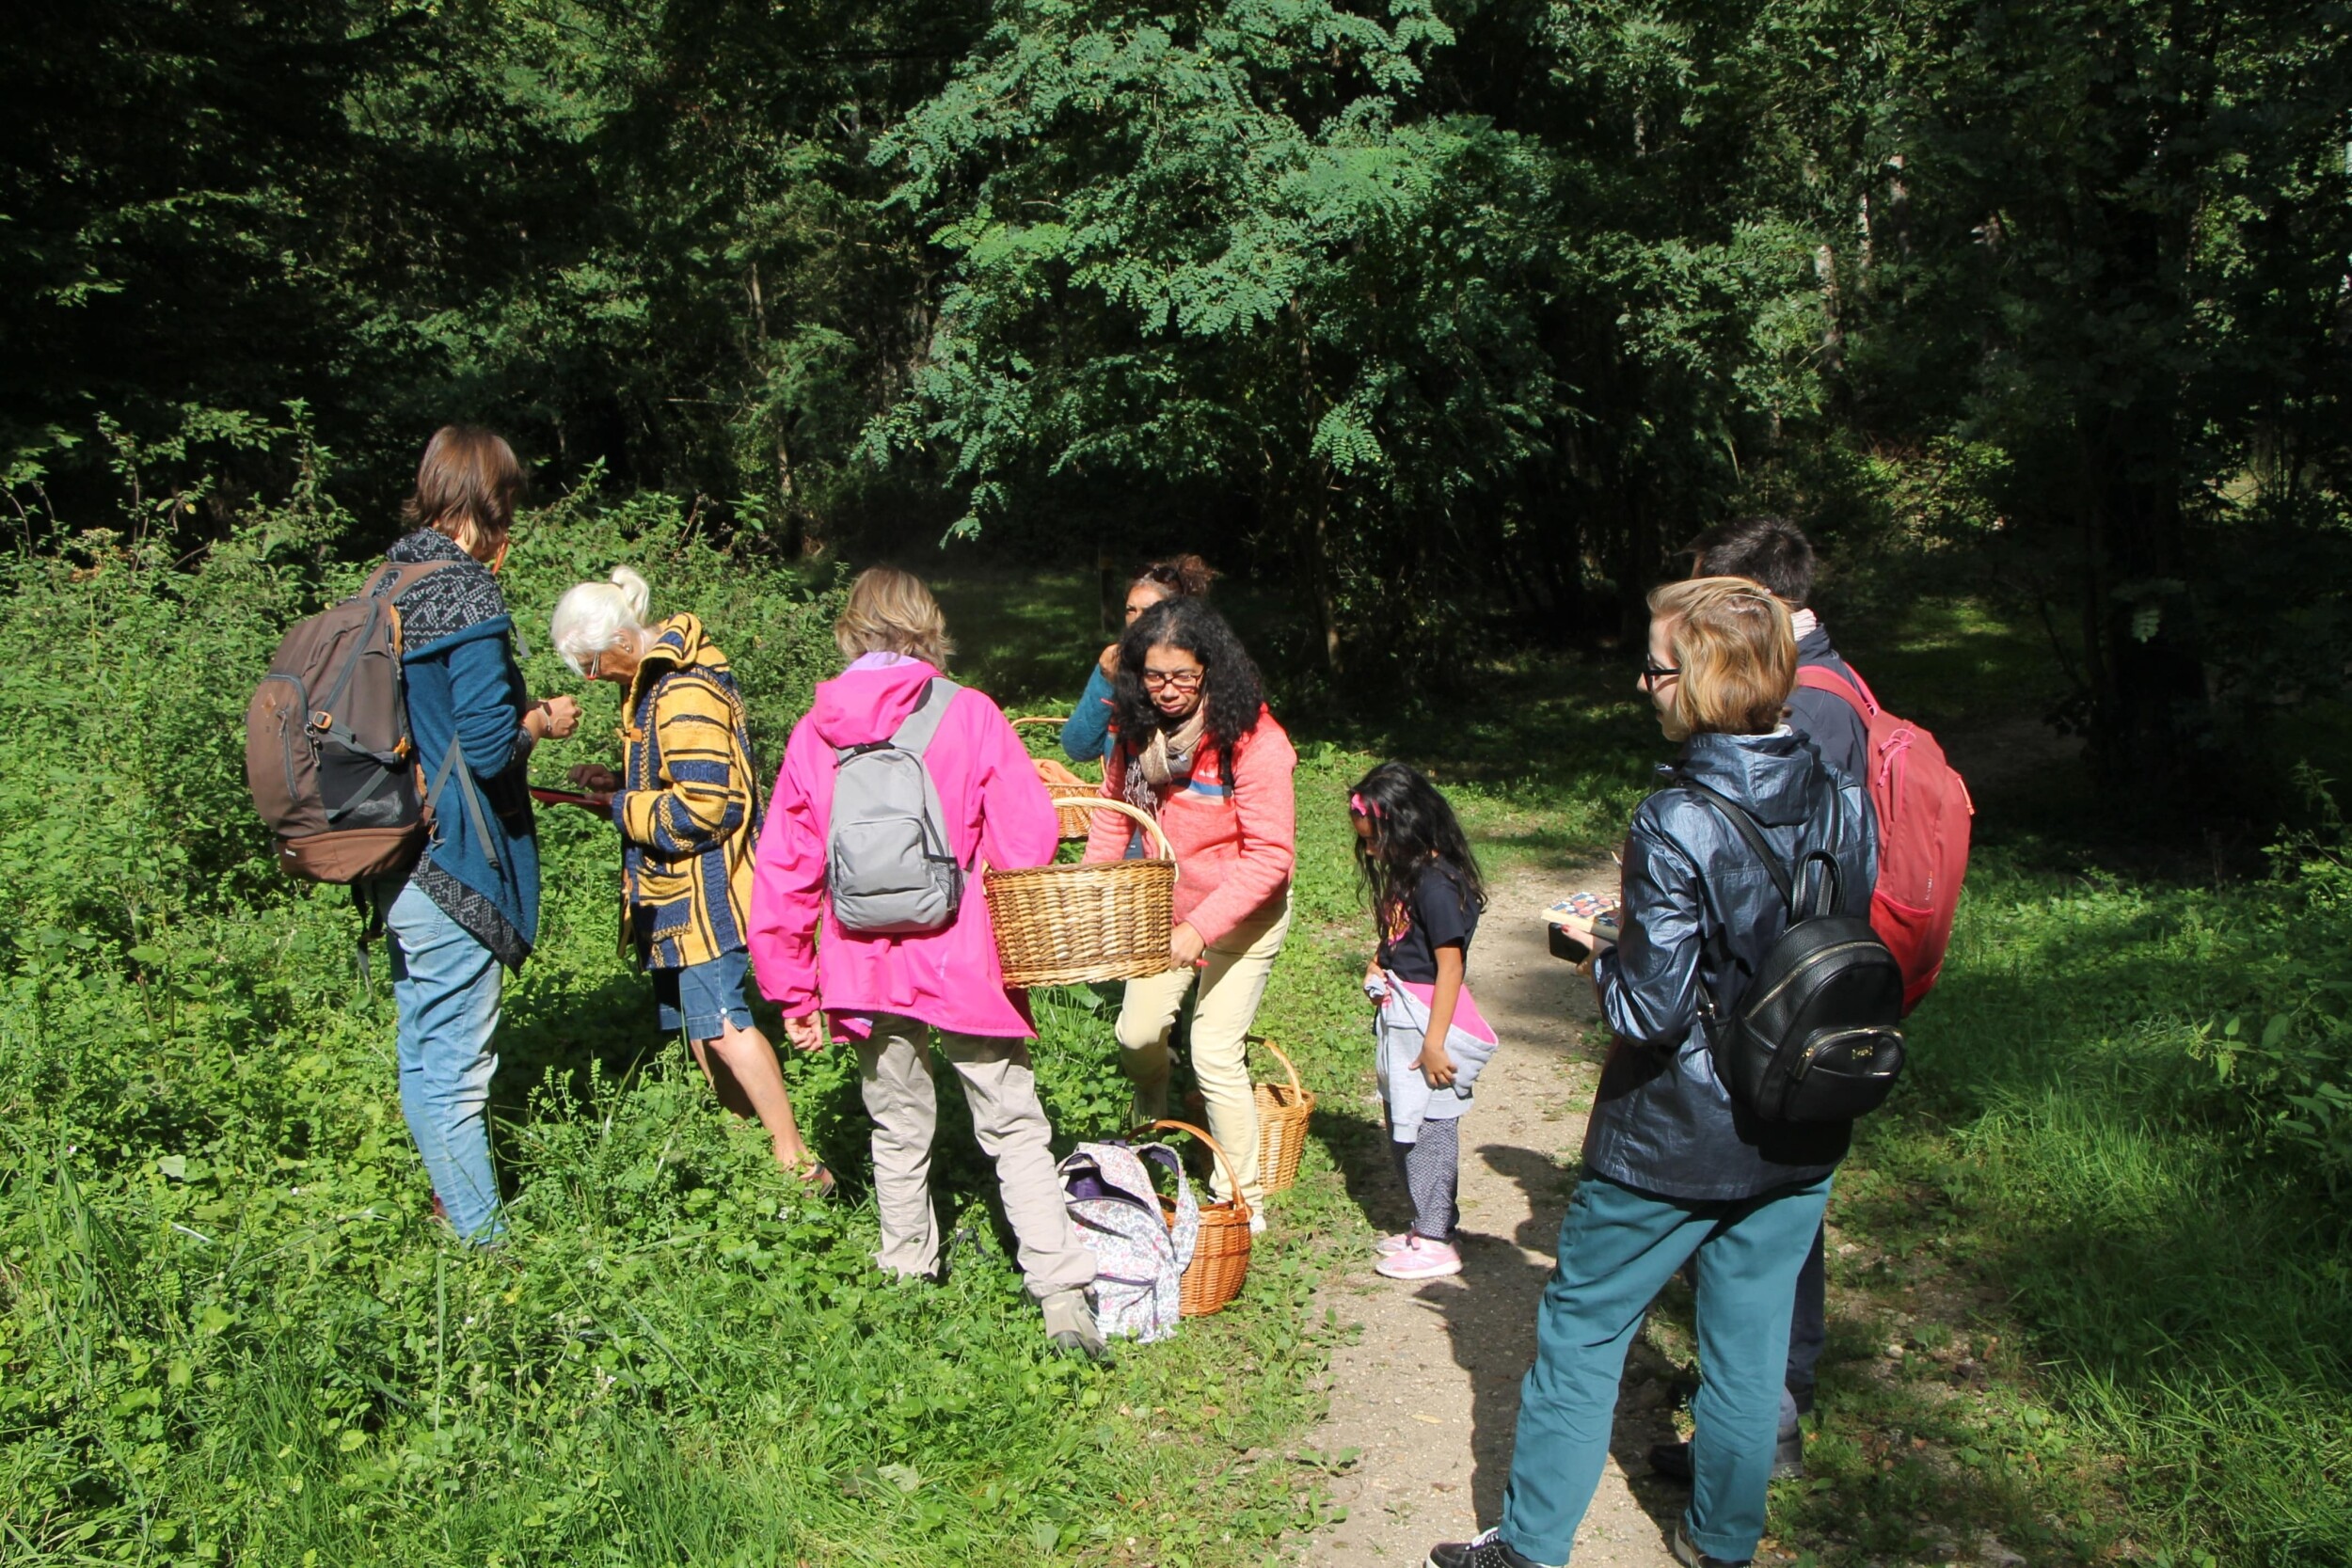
(1220, 1253)
(1283, 1112)
(1099, 920)
(1066, 787)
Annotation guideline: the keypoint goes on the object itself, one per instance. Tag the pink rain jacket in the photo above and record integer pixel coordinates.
(994, 804)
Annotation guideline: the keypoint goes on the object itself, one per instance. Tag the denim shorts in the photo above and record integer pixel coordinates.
(703, 999)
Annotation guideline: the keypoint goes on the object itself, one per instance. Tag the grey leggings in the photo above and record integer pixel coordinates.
(1430, 1171)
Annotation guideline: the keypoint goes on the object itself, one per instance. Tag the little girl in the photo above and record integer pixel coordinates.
(1426, 896)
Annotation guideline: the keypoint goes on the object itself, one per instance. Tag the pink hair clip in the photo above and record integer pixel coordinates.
(1361, 807)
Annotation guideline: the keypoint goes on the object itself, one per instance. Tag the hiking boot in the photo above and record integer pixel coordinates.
(1672, 1461)
(1070, 1325)
(1488, 1551)
(1690, 1557)
(1420, 1259)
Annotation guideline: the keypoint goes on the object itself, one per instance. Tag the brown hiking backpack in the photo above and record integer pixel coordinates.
(327, 754)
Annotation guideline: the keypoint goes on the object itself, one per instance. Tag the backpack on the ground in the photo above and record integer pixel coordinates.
(327, 754)
(888, 865)
(1924, 812)
(1815, 1039)
(1139, 1252)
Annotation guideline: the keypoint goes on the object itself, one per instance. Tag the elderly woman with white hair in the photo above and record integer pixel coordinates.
(687, 806)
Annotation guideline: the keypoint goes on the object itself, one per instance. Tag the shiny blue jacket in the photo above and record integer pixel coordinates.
(1700, 911)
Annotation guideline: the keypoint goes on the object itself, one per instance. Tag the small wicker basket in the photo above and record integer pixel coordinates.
(1283, 1112)
(1220, 1252)
(1065, 786)
(1099, 920)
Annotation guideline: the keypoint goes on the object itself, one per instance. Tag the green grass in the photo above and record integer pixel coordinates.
(2110, 1273)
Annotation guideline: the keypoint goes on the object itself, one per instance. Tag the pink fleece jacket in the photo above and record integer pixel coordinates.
(989, 790)
(1233, 825)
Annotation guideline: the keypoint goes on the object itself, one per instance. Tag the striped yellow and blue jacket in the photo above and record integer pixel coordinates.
(689, 805)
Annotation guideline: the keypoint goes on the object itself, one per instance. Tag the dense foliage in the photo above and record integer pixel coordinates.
(229, 1331)
(1457, 315)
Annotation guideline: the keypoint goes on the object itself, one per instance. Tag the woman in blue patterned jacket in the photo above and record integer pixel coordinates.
(686, 803)
(471, 909)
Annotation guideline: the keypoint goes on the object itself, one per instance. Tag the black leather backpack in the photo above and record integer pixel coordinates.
(1815, 1039)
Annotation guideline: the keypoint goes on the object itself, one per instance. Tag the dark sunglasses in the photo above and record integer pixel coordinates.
(1653, 673)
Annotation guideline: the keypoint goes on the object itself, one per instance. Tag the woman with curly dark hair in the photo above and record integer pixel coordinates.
(1196, 749)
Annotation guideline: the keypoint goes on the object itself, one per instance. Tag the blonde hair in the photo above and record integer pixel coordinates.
(891, 612)
(468, 483)
(1737, 651)
(592, 617)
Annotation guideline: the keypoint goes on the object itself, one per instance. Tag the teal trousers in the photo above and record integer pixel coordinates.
(1617, 1249)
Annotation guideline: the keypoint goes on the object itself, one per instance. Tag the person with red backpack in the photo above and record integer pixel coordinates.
(1922, 811)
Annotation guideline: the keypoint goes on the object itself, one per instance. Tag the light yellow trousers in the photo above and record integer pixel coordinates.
(1233, 978)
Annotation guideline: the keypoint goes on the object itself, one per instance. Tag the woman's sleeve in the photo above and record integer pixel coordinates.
(1019, 828)
(703, 796)
(1086, 732)
(1649, 982)
(789, 888)
(1265, 811)
(1109, 836)
(482, 687)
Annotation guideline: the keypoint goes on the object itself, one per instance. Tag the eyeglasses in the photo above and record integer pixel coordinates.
(1171, 680)
(1653, 673)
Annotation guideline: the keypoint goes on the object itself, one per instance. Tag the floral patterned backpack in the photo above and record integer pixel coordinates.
(1139, 1255)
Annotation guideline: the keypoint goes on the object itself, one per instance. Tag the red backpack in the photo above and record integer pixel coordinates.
(1923, 810)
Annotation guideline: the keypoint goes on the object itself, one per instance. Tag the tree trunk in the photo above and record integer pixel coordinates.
(2148, 704)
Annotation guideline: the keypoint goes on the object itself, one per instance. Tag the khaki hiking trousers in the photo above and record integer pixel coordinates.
(1232, 977)
(895, 1072)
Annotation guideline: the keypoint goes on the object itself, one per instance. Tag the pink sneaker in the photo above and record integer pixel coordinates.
(1390, 1246)
(1420, 1259)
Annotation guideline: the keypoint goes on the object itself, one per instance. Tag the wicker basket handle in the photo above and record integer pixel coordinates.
(1039, 719)
(1241, 1203)
(1299, 1090)
(1103, 802)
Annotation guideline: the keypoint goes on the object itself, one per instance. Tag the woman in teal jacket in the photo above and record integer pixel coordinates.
(470, 908)
(1086, 736)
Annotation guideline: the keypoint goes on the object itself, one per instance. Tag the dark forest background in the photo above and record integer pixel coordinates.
(1449, 318)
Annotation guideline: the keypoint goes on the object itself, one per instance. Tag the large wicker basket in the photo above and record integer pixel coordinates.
(1283, 1112)
(1220, 1253)
(1100, 920)
(1066, 787)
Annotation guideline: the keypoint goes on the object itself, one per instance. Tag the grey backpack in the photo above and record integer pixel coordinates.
(887, 860)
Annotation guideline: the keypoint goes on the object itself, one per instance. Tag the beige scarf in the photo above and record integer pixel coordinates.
(1165, 760)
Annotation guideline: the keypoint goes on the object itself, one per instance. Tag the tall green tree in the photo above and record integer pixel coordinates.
(2120, 231)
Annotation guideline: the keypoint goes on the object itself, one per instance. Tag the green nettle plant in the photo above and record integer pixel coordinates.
(230, 1330)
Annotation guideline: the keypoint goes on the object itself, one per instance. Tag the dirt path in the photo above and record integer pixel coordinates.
(1429, 1393)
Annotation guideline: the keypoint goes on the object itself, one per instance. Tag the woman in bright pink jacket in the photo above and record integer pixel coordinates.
(1198, 750)
(892, 994)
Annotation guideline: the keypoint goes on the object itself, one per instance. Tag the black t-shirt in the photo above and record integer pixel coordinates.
(1437, 913)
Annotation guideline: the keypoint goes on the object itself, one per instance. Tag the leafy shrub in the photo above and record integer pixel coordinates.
(2285, 1054)
(229, 1332)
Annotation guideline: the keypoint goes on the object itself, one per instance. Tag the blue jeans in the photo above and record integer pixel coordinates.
(1617, 1247)
(704, 999)
(446, 985)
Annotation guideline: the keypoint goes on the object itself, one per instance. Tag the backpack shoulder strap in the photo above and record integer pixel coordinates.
(1738, 816)
(395, 578)
(1813, 677)
(921, 726)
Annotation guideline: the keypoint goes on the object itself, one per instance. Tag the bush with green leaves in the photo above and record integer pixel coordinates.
(231, 1332)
